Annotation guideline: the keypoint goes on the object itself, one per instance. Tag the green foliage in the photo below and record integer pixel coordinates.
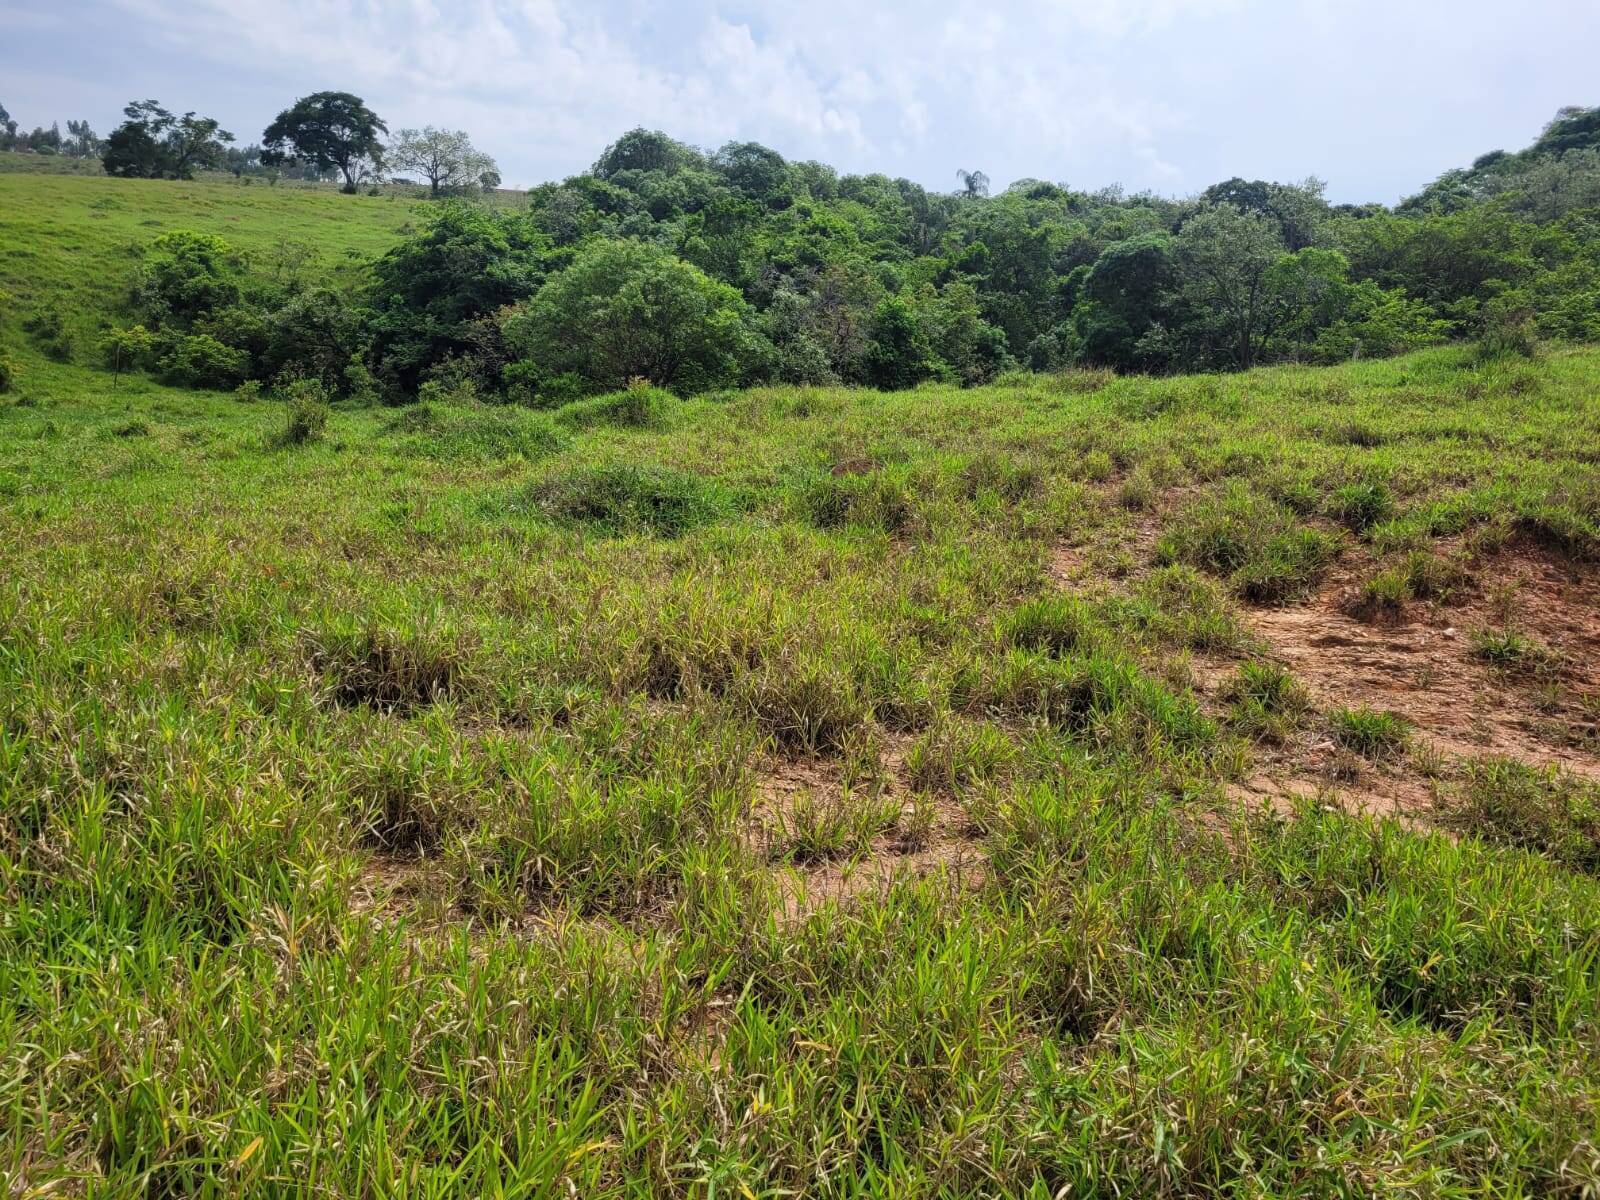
(626, 310)
(307, 415)
(129, 349)
(1546, 811)
(1372, 734)
(1251, 541)
(8, 374)
(900, 354)
(623, 498)
(327, 130)
(154, 143)
(637, 406)
(435, 295)
(1266, 701)
(200, 361)
(1360, 506)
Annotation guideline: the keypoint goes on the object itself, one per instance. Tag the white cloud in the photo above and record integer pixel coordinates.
(1154, 93)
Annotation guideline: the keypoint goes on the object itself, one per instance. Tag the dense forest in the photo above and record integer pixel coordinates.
(696, 271)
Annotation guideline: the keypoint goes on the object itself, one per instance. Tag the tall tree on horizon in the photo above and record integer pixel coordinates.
(328, 130)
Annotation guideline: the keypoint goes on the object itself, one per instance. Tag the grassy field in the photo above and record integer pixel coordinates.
(1078, 786)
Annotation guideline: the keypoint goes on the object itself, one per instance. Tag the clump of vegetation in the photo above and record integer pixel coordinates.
(476, 432)
(1370, 733)
(8, 374)
(878, 500)
(1419, 575)
(1255, 544)
(637, 406)
(1508, 334)
(1360, 506)
(1056, 625)
(815, 827)
(624, 498)
(1547, 811)
(1266, 701)
(1507, 647)
(383, 668)
(48, 327)
(957, 753)
(307, 415)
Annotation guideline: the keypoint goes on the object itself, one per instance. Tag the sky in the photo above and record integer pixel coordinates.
(1376, 97)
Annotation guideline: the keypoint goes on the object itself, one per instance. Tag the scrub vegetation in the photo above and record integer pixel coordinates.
(584, 782)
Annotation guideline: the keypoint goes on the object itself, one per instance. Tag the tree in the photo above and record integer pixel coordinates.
(444, 157)
(429, 293)
(900, 355)
(328, 130)
(644, 150)
(1572, 128)
(754, 171)
(1122, 297)
(8, 130)
(626, 310)
(155, 144)
(974, 184)
(82, 142)
(1224, 254)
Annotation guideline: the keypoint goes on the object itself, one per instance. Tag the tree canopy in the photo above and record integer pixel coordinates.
(330, 130)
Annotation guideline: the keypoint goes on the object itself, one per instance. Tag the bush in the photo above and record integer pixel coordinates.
(638, 406)
(200, 361)
(623, 498)
(130, 349)
(186, 276)
(625, 310)
(308, 413)
(1508, 335)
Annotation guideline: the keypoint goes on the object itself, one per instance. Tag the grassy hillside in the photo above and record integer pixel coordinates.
(76, 240)
(1076, 786)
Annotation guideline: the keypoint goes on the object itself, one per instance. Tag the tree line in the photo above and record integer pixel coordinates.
(698, 270)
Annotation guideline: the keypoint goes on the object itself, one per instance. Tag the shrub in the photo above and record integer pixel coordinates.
(308, 413)
(638, 406)
(130, 349)
(623, 498)
(185, 276)
(249, 391)
(200, 361)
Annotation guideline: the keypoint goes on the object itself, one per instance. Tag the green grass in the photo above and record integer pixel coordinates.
(1372, 734)
(378, 813)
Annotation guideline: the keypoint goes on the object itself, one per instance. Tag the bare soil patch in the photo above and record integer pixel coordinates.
(925, 835)
(1425, 664)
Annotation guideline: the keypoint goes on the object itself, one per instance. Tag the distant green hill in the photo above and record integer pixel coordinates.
(77, 238)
